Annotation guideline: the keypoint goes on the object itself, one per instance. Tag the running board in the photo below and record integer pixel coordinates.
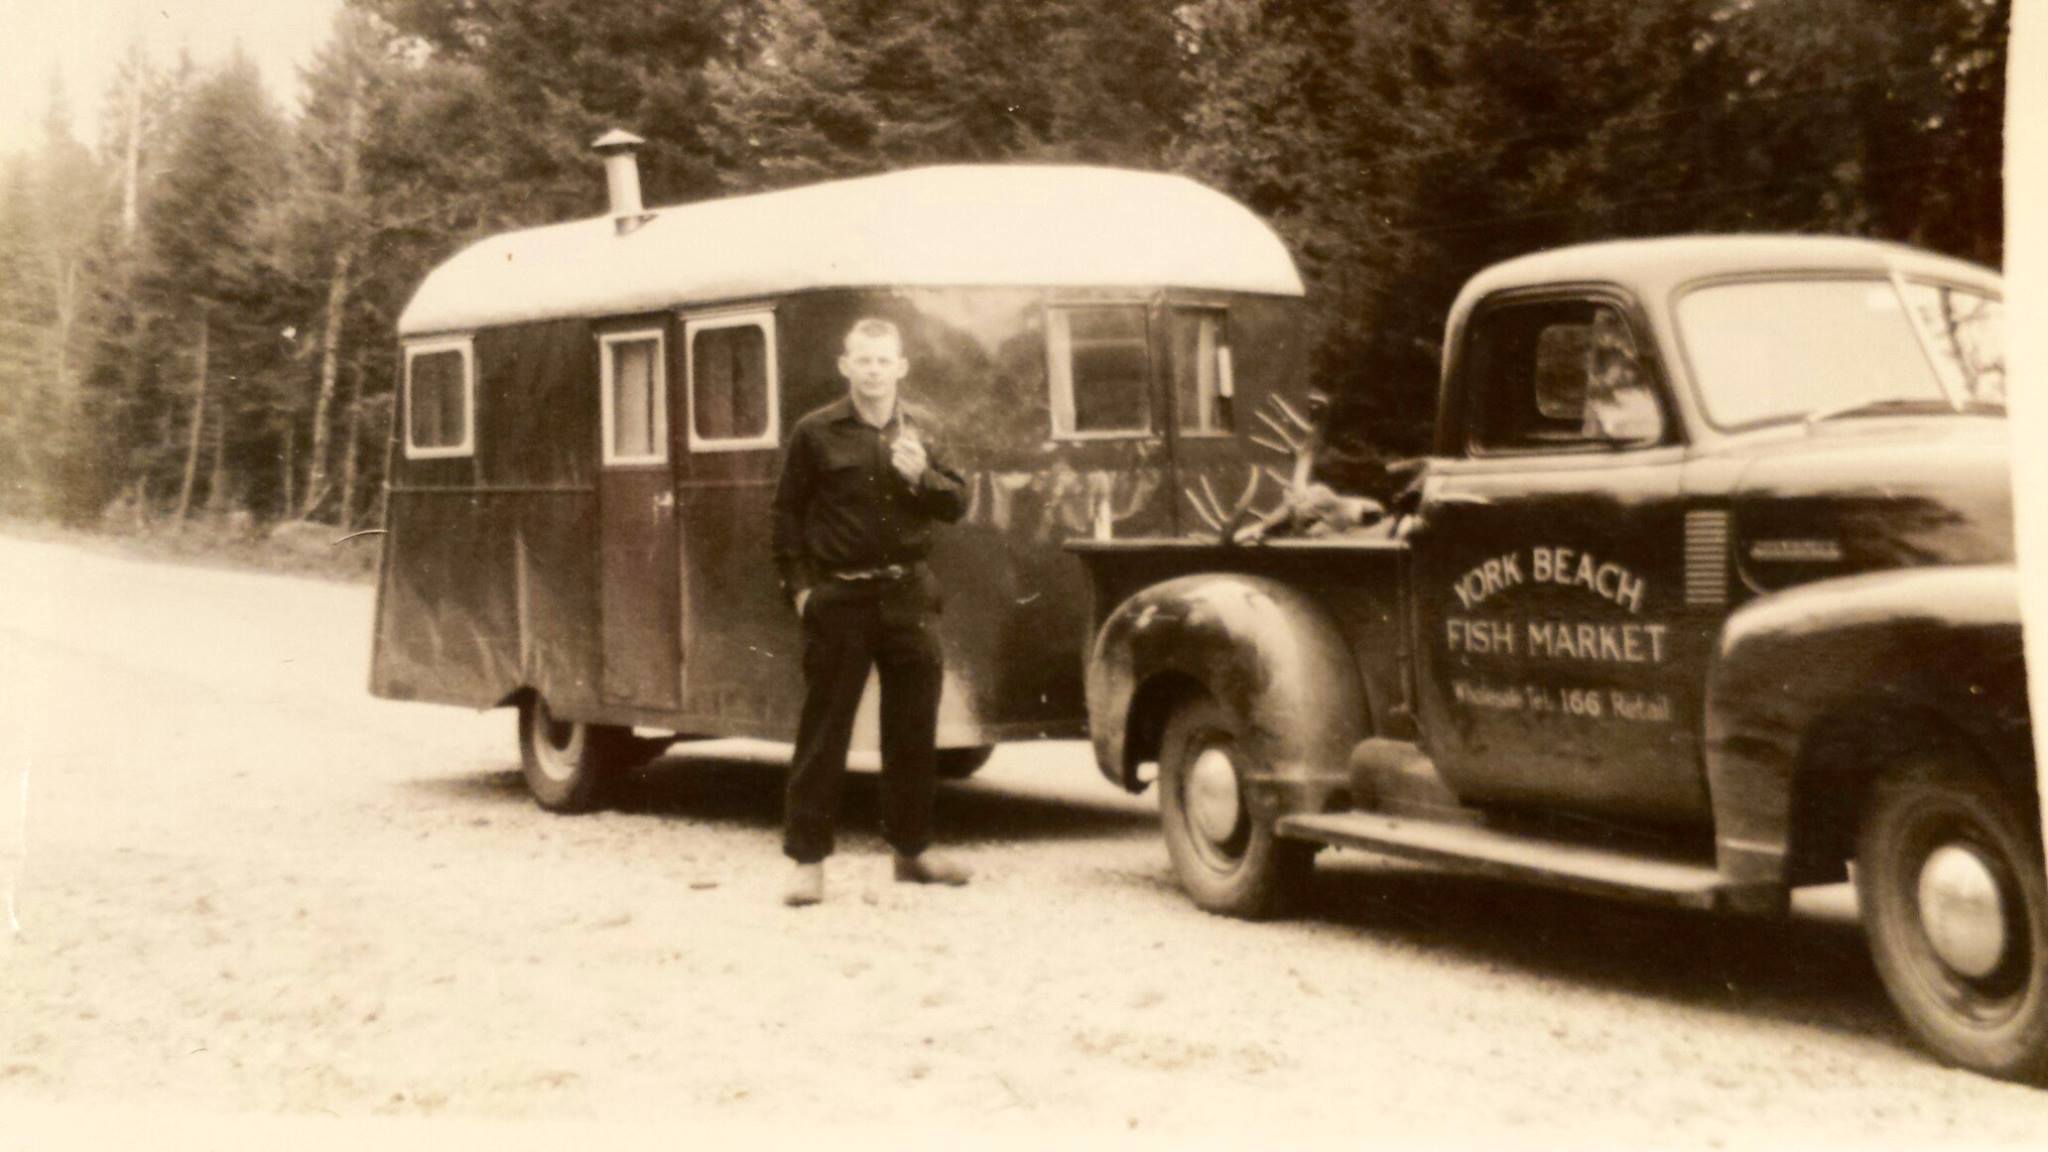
(1514, 856)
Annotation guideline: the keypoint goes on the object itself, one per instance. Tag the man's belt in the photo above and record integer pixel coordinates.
(885, 572)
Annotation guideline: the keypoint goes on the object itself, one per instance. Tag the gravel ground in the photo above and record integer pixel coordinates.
(245, 893)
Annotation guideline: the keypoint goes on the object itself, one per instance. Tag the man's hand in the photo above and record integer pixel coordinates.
(803, 597)
(908, 457)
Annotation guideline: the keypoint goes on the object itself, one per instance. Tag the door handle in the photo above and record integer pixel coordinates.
(664, 501)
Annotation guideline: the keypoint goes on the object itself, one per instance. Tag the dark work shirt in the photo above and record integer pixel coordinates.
(842, 506)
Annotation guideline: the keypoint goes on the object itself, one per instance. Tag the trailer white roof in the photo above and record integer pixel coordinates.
(965, 226)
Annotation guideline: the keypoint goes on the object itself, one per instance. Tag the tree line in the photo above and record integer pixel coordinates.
(196, 309)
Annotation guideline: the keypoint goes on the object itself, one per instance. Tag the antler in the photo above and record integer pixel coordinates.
(1292, 435)
(1228, 523)
(1298, 438)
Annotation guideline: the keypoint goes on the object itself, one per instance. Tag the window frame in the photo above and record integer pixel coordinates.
(1149, 381)
(1472, 395)
(608, 399)
(754, 316)
(466, 345)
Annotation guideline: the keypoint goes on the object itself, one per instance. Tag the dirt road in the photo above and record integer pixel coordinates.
(241, 885)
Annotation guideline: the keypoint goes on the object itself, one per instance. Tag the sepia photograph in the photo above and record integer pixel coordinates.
(1184, 573)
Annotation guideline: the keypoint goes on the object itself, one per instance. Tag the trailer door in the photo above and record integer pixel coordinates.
(637, 524)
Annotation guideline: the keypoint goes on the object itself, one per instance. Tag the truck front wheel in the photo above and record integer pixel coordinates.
(1228, 861)
(568, 764)
(1955, 904)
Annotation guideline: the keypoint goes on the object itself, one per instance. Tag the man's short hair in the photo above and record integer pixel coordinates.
(874, 328)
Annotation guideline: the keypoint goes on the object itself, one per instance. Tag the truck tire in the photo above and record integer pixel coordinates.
(1955, 905)
(570, 765)
(1228, 861)
(960, 763)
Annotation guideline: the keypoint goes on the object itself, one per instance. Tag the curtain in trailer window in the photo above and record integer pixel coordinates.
(436, 398)
(729, 382)
(637, 424)
(1199, 353)
(1097, 362)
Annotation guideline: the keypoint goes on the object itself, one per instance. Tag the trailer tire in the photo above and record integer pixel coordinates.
(960, 763)
(1228, 861)
(1955, 905)
(570, 766)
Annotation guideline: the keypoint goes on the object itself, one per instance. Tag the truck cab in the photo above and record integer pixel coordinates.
(1705, 592)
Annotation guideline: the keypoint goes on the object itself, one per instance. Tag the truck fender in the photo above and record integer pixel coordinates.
(1272, 657)
(1816, 688)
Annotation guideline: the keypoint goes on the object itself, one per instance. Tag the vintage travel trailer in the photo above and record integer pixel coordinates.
(592, 414)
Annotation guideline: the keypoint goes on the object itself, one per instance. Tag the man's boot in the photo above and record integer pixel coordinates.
(931, 868)
(806, 886)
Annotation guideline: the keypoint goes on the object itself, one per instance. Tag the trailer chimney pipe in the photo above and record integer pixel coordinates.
(622, 178)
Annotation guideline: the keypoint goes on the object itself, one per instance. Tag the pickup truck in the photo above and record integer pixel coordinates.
(1705, 592)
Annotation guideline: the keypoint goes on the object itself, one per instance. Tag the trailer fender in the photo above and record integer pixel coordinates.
(1815, 688)
(1270, 655)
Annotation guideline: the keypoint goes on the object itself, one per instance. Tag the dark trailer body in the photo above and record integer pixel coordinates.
(593, 415)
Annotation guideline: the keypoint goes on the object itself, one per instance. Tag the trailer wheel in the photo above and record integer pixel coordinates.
(1227, 860)
(568, 764)
(1955, 904)
(960, 763)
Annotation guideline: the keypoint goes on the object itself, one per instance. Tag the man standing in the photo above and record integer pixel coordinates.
(861, 484)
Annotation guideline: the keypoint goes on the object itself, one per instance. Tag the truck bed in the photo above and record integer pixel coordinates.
(1361, 579)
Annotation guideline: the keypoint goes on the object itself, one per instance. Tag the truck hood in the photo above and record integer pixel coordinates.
(1875, 493)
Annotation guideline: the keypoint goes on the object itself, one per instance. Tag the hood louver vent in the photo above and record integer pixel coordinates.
(1706, 559)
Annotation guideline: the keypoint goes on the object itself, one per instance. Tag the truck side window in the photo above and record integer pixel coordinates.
(635, 399)
(732, 381)
(1098, 363)
(440, 394)
(1559, 375)
(1200, 350)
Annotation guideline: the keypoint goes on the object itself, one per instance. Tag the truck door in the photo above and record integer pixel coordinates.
(637, 527)
(1557, 670)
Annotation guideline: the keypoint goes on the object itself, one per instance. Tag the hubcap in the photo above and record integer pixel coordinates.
(1212, 795)
(1962, 911)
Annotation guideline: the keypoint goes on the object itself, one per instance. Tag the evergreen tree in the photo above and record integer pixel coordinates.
(23, 324)
(324, 230)
(127, 393)
(208, 266)
(553, 75)
(791, 109)
(47, 229)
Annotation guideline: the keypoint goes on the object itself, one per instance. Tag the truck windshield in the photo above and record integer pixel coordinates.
(1764, 351)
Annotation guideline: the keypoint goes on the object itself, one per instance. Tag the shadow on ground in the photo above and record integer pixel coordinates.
(1800, 970)
(748, 794)
(1813, 972)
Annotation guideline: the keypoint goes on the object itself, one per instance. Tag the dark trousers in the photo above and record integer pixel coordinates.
(849, 628)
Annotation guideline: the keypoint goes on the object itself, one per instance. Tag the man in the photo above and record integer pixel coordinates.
(862, 483)
(1619, 403)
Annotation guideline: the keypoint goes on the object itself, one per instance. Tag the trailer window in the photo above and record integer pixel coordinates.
(1098, 362)
(440, 392)
(635, 399)
(732, 381)
(1201, 369)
